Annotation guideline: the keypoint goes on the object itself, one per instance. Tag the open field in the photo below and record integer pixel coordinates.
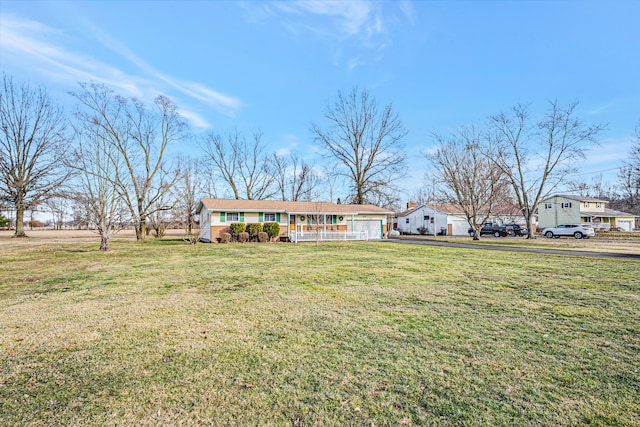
(163, 333)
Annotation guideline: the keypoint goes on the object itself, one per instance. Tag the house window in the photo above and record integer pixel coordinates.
(566, 204)
(548, 206)
(269, 217)
(426, 217)
(407, 220)
(233, 217)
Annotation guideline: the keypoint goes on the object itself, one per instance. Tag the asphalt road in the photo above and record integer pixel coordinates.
(490, 247)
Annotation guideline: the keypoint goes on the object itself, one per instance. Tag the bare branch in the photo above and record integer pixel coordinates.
(364, 142)
(32, 147)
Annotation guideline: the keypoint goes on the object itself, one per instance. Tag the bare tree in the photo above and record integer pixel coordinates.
(365, 143)
(189, 188)
(242, 165)
(139, 136)
(58, 207)
(329, 182)
(535, 157)
(629, 177)
(295, 179)
(160, 218)
(96, 162)
(32, 146)
(468, 179)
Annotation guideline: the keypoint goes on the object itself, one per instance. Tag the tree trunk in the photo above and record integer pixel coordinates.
(19, 221)
(104, 242)
(476, 233)
(141, 229)
(529, 227)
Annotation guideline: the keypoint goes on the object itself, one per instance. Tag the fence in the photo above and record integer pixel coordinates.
(312, 235)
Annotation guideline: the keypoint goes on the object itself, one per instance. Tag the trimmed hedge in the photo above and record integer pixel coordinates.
(263, 237)
(225, 237)
(253, 229)
(272, 229)
(243, 237)
(237, 228)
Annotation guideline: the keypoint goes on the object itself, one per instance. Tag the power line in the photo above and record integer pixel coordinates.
(592, 172)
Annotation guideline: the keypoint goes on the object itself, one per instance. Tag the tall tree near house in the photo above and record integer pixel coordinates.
(139, 136)
(188, 190)
(536, 156)
(629, 177)
(96, 162)
(295, 179)
(32, 147)
(364, 142)
(241, 164)
(467, 178)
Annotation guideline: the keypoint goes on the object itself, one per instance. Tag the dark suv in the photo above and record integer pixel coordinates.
(516, 229)
(491, 229)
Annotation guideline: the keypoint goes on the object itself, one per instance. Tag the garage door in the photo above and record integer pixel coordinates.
(372, 227)
(625, 225)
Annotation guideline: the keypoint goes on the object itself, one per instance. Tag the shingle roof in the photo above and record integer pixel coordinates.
(446, 209)
(232, 205)
(580, 198)
(608, 213)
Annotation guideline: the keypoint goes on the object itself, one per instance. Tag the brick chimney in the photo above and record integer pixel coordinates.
(412, 205)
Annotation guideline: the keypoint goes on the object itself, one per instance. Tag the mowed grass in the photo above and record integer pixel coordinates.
(351, 334)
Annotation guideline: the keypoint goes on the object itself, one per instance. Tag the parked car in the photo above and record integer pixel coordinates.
(491, 229)
(516, 229)
(579, 231)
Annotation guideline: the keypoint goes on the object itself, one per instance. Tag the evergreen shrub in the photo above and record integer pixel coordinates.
(272, 229)
(236, 228)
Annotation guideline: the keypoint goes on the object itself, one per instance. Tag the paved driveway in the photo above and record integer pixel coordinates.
(490, 247)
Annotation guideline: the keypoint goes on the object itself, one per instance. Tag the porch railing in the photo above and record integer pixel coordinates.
(313, 235)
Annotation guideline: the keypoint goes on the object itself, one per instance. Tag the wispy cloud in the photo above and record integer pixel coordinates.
(350, 18)
(223, 103)
(37, 47)
(356, 25)
(195, 119)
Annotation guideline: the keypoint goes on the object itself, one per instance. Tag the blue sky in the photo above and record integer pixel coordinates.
(276, 65)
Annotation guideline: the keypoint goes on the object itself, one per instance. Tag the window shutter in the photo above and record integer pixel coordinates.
(241, 216)
(278, 217)
(222, 217)
(260, 216)
(335, 219)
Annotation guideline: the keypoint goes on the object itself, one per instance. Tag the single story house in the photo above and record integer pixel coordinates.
(298, 220)
(443, 218)
(571, 209)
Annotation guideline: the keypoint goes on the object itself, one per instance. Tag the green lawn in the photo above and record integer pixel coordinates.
(163, 333)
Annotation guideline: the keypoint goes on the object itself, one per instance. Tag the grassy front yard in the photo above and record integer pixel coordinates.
(163, 333)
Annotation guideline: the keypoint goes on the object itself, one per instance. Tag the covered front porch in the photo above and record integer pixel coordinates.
(610, 220)
(334, 227)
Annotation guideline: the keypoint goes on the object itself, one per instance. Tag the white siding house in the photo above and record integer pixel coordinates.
(429, 217)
